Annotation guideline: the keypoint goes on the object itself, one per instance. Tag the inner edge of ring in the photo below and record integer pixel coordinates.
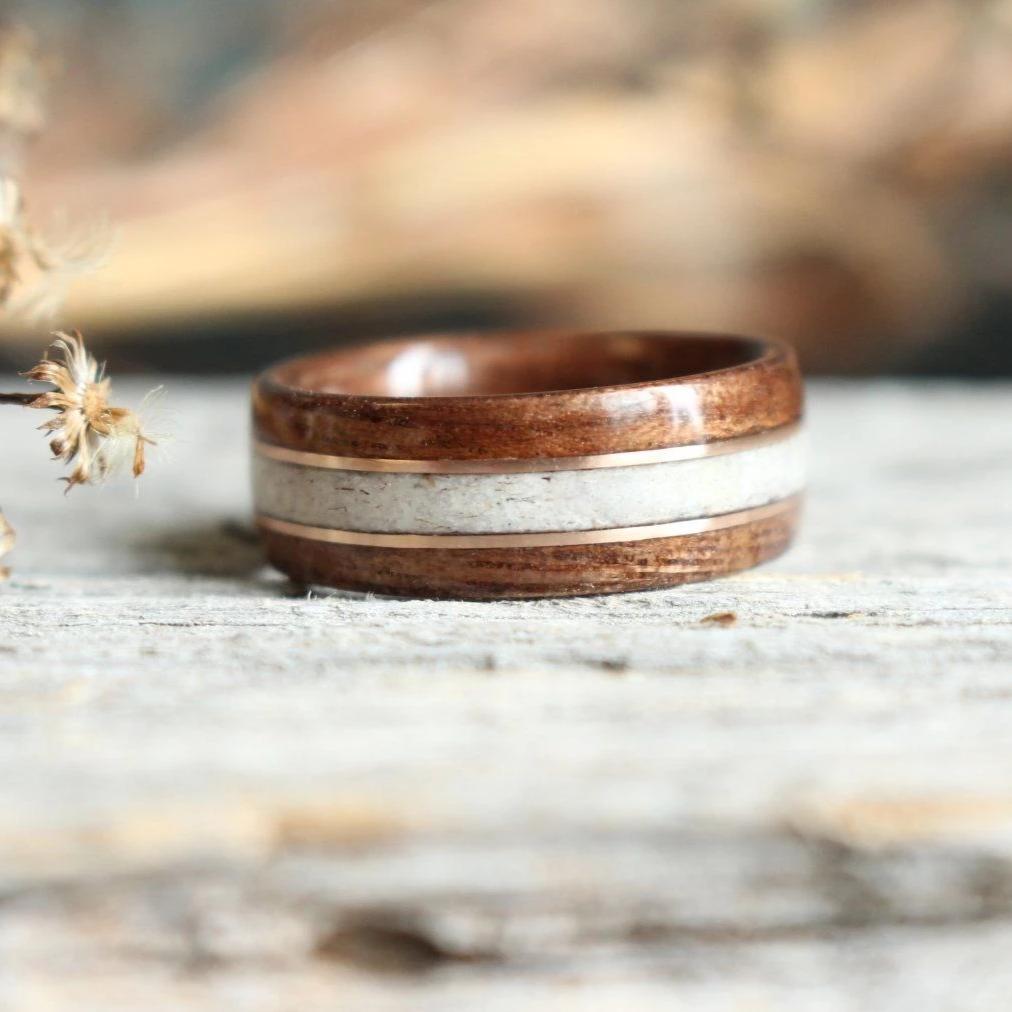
(546, 539)
(522, 465)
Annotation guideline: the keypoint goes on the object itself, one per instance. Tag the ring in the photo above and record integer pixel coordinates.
(529, 464)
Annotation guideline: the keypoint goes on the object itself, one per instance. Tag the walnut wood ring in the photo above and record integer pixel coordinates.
(528, 464)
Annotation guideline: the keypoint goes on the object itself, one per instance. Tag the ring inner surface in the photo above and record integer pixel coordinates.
(515, 364)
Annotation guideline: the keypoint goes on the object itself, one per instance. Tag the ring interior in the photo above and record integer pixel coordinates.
(517, 363)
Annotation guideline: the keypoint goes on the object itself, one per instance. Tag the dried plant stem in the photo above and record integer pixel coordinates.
(25, 400)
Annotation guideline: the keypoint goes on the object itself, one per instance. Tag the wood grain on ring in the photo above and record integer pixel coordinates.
(483, 574)
(586, 394)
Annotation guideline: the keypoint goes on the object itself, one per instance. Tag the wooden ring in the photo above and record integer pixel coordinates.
(528, 464)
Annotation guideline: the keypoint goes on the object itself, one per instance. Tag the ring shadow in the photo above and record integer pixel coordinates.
(229, 549)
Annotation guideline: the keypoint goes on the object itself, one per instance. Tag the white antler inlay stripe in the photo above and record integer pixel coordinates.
(528, 501)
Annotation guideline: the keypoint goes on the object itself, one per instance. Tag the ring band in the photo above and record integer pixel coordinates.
(528, 464)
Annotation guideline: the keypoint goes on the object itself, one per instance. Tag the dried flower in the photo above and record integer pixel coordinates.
(11, 237)
(87, 431)
(6, 543)
(36, 269)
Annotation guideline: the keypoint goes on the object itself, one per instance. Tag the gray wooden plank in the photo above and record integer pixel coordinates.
(210, 772)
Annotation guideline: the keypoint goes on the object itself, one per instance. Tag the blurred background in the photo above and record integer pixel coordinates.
(280, 176)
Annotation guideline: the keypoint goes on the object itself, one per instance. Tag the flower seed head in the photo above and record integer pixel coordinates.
(87, 431)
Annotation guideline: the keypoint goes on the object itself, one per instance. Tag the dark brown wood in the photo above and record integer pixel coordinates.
(527, 394)
(483, 574)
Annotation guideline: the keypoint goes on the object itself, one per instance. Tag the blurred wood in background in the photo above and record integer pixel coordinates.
(836, 173)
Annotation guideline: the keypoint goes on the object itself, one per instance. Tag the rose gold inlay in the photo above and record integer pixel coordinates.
(526, 464)
(544, 539)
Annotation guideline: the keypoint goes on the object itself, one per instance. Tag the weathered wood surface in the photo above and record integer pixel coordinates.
(220, 791)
